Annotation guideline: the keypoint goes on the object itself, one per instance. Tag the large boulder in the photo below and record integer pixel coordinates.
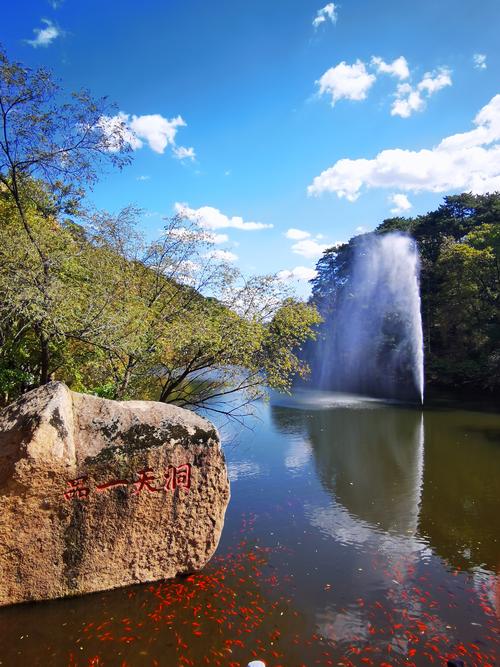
(96, 494)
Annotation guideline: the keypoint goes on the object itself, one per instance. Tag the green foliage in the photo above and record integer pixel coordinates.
(62, 139)
(459, 247)
(87, 300)
(293, 324)
(113, 315)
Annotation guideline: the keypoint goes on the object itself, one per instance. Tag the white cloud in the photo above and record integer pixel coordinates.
(209, 217)
(296, 234)
(398, 67)
(143, 178)
(469, 161)
(119, 124)
(187, 272)
(183, 153)
(361, 229)
(401, 203)
(409, 99)
(156, 130)
(327, 13)
(187, 235)
(434, 81)
(479, 60)
(309, 248)
(351, 82)
(298, 273)
(44, 36)
(217, 238)
(222, 255)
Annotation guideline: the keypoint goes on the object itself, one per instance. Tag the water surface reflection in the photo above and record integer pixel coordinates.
(370, 461)
(358, 532)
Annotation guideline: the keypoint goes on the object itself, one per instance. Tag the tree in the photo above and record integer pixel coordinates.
(468, 318)
(197, 333)
(49, 149)
(45, 137)
(127, 318)
(459, 247)
(86, 299)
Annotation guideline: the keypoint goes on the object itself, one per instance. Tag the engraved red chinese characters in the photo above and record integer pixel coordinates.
(77, 489)
(179, 476)
(144, 482)
(111, 485)
(175, 477)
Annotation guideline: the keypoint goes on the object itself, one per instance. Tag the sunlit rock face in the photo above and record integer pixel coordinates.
(96, 494)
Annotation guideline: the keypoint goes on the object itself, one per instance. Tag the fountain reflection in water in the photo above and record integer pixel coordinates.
(369, 458)
(375, 346)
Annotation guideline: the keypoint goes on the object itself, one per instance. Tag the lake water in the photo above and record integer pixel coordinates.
(358, 533)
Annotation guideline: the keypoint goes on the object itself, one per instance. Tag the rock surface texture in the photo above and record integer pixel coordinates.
(96, 494)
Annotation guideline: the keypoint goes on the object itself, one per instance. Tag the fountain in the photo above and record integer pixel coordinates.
(373, 343)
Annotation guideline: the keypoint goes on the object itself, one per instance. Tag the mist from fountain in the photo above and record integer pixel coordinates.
(376, 345)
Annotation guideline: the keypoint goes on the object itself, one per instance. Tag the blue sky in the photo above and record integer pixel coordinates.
(273, 94)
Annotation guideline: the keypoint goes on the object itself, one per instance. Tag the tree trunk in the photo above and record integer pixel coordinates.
(164, 393)
(44, 353)
(126, 379)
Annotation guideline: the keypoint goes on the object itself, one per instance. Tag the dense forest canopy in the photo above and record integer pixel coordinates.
(459, 246)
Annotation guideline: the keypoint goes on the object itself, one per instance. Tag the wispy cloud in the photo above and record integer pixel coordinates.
(183, 153)
(469, 161)
(434, 81)
(143, 178)
(296, 234)
(326, 13)
(309, 248)
(44, 36)
(479, 60)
